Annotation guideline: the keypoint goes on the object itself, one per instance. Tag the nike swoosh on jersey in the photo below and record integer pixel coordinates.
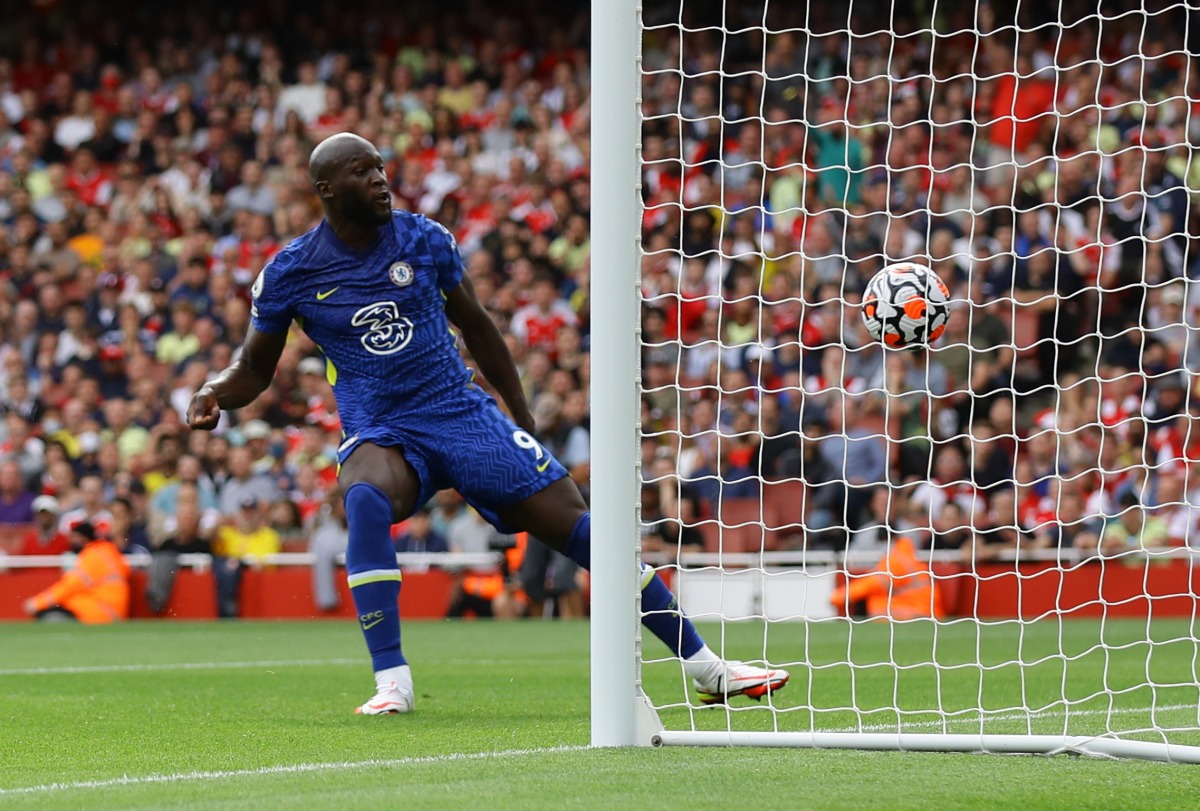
(322, 296)
(542, 467)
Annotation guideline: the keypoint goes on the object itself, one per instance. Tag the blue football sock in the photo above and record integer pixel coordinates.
(661, 613)
(372, 573)
(579, 546)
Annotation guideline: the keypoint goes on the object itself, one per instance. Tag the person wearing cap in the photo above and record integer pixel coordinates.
(95, 591)
(313, 387)
(45, 537)
(256, 431)
(257, 436)
(311, 366)
(112, 352)
(244, 539)
(112, 375)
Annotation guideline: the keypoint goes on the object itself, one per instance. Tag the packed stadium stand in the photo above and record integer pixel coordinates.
(149, 168)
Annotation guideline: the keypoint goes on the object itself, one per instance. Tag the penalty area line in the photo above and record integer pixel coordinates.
(297, 768)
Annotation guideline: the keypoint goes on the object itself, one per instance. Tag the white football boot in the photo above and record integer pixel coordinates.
(393, 693)
(724, 680)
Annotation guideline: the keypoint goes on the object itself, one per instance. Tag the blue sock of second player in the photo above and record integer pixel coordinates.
(661, 611)
(372, 573)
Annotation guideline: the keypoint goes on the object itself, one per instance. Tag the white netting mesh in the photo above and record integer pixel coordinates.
(1041, 458)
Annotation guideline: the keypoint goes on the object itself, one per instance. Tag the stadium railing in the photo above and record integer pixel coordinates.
(854, 558)
(201, 561)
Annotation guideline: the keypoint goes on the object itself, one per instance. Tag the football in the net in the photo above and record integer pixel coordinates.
(906, 305)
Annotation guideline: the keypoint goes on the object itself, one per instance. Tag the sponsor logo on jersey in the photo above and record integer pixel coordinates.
(387, 331)
(401, 274)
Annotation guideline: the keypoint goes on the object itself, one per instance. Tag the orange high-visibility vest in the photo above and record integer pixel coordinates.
(488, 586)
(96, 590)
(900, 587)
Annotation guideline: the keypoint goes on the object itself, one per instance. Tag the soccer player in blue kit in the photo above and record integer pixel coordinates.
(377, 290)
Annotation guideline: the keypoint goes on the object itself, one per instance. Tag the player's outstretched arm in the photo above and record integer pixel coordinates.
(246, 378)
(489, 350)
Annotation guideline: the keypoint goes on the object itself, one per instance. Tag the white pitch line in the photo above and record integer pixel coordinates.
(53, 671)
(297, 768)
(1057, 713)
(136, 668)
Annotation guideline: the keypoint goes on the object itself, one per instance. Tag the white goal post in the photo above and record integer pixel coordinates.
(1024, 496)
(615, 316)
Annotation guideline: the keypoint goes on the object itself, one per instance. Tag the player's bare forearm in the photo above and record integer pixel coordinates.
(246, 378)
(239, 385)
(487, 347)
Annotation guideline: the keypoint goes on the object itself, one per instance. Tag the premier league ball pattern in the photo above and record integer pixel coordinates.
(906, 305)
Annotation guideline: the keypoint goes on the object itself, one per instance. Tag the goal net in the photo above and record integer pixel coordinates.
(983, 546)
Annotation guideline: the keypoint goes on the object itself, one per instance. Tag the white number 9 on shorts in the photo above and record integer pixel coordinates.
(524, 440)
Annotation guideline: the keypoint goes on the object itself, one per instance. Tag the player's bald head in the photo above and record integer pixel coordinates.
(335, 151)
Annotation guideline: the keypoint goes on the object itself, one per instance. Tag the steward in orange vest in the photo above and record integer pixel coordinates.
(900, 588)
(95, 591)
(493, 594)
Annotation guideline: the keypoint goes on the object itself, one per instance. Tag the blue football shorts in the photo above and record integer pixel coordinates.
(469, 445)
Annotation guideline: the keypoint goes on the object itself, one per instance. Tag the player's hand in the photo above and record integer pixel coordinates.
(204, 413)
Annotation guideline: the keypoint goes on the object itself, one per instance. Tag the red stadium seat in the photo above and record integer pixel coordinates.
(747, 525)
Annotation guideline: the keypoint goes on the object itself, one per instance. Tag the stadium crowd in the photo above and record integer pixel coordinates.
(1050, 187)
(149, 169)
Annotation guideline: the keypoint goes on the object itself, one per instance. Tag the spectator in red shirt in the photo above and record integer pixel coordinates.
(536, 325)
(88, 180)
(91, 509)
(45, 537)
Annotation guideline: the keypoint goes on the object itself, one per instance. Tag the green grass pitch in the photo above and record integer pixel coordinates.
(259, 715)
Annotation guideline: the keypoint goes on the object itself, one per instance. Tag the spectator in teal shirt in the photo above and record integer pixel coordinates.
(840, 164)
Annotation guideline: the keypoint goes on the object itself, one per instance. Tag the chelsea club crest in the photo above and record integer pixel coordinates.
(401, 274)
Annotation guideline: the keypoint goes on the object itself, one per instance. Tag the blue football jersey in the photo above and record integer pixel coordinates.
(377, 314)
